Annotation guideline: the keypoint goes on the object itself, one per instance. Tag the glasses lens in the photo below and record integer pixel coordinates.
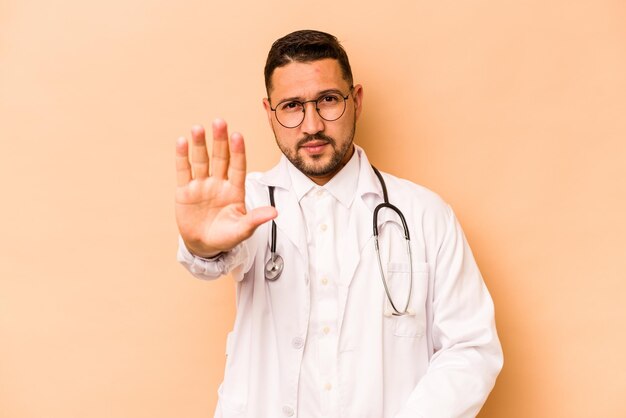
(331, 106)
(290, 114)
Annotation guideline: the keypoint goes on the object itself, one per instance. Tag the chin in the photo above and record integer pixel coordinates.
(319, 169)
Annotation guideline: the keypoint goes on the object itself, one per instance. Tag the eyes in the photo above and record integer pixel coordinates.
(291, 106)
(324, 101)
(329, 106)
(329, 99)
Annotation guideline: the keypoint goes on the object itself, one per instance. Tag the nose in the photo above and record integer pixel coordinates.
(313, 122)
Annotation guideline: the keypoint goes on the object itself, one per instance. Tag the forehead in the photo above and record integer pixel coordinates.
(306, 79)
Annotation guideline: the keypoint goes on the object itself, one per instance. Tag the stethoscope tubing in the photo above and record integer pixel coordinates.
(274, 266)
(407, 238)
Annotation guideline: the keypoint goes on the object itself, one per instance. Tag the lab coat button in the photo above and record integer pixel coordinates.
(323, 227)
(297, 342)
(288, 411)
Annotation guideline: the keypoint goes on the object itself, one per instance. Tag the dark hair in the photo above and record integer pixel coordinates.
(305, 46)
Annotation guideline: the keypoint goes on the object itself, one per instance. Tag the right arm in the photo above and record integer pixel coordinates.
(210, 201)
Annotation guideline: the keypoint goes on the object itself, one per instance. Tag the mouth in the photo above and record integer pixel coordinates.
(314, 147)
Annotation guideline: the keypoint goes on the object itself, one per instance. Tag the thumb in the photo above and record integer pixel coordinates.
(258, 216)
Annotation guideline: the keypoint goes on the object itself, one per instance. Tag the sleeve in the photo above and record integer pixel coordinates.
(212, 268)
(467, 353)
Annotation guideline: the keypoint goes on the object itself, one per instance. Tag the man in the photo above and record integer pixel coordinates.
(333, 319)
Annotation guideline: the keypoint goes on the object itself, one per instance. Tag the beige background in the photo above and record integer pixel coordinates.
(514, 111)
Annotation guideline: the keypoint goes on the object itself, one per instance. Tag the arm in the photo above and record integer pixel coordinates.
(467, 353)
(210, 203)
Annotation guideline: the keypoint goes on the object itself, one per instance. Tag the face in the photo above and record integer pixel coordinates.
(317, 147)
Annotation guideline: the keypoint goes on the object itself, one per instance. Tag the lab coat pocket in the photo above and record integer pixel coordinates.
(229, 406)
(399, 282)
(231, 401)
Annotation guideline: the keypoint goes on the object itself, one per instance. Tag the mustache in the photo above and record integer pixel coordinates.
(318, 136)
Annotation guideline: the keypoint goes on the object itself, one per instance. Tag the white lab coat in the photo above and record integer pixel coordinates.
(440, 362)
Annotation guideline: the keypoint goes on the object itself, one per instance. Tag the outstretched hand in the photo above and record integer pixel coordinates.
(210, 195)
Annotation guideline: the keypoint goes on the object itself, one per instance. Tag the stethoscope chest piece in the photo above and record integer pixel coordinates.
(274, 267)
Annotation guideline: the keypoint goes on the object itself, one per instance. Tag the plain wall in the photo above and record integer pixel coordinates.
(513, 111)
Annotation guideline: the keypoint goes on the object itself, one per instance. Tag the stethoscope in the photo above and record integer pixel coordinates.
(275, 265)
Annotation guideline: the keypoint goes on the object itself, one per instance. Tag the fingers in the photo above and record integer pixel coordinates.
(183, 168)
(261, 215)
(237, 167)
(199, 156)
(221, 154)
(222, 165)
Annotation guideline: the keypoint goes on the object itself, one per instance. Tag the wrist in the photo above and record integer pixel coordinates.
(211, 257)
(206, 255)
(202, 252)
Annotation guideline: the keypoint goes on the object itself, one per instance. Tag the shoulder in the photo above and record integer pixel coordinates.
(414, 195)
(258, 183)
(424, 209)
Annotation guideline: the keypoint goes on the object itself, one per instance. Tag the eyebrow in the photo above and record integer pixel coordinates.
(302, 99)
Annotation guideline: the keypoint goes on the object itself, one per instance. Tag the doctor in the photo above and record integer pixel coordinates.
(339, 328)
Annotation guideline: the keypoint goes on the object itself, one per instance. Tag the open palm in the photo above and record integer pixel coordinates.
(210, 195)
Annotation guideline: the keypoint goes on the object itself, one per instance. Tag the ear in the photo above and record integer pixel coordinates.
(268, 110)
(357, 95)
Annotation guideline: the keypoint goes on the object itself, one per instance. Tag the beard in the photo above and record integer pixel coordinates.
(316, 168)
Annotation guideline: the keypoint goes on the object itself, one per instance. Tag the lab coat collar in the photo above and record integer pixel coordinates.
(368, 183)
(300, 182)
(343, 185)
(290, 222)
(281, 176)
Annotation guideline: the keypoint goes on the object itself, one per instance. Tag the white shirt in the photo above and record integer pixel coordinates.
(441, 362)
(326, 211)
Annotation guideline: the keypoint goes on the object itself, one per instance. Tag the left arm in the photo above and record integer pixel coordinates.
(467, 353)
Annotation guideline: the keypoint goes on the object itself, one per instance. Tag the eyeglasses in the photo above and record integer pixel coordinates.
(330, 107)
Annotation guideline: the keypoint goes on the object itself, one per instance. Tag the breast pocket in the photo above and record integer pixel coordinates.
(399, 283)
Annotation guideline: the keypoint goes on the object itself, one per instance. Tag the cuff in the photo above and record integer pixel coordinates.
(211, 268)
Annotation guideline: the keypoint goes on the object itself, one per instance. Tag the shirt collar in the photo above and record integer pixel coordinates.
(342, 186)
